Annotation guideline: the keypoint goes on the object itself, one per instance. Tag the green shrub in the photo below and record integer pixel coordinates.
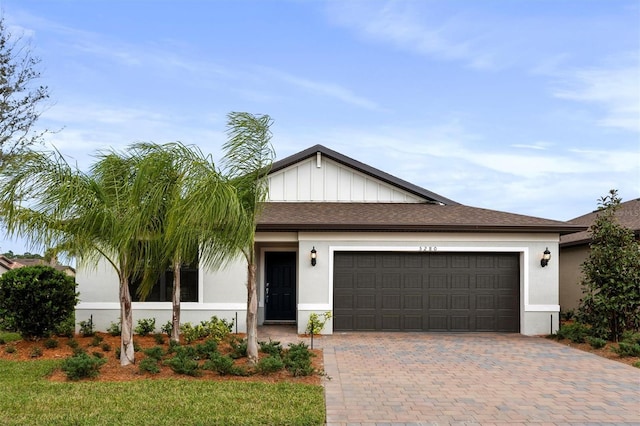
(36, 352)
(191, 333)
(636, 364)
(625, 349)
(575, 332)
(118, 352)
(10, 349)
(67, 327)
(223, 365)
(316, 322)
(114, 329)
(270, 364)
(149, 365)
(86, 328)
(145, 326)
(37, 298)
(155, 352)
(297, 360)
(78, 350)
(105, 347)
(567, 315)
(630, 336)
(596, 342)
(204, 350)
(73, 343)
(272, 348)
(167, 328)
(96, 341)
(51, 343)
(98, 354)
(238, 347)
(159, 338)
(9, 336)
(82, 366)
(184, 365)
(217, 328)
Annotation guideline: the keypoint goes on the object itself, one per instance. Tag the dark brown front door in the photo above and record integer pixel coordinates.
(280, 286)
(393, 291)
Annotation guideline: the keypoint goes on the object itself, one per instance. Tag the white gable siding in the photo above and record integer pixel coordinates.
(332, 182)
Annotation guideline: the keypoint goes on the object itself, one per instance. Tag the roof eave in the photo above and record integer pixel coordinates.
(562, 230)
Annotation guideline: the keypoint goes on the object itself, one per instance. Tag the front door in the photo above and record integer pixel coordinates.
(280, 286)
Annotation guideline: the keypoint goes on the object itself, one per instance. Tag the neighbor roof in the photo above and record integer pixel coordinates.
(628, 215)
(416, 217)
(363, 168)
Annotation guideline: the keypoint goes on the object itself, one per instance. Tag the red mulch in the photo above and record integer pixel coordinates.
(112, 371)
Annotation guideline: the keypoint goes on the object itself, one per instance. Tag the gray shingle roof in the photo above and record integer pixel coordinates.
(628, 215)
(325, 216)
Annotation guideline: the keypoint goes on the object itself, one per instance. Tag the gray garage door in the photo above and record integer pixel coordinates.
(395, 291)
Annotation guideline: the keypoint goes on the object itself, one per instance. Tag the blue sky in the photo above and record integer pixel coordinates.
(530, 107)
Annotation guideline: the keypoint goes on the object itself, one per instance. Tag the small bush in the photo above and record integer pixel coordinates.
(155, 352)
(96, 341)
(86, 328)
(596, 342)
(51, 343)
(238, 347)
(159, 338)
(114, 329)
(8, 337)
(105, 347)
(149, 365)
(270, 364)
(575, 332)
(167, 328)
(567, 315)
(73, 343)
(223, 365)
(37, 299)
(316, 322)
(78, 350)
(636, 364)
(118, 352)
(191, 333)
(184, 365)
(82, 366)
(67, 327)
(217, 328)
(204, 350)
(297, 360)
(625, 349)
(10, 349)
(630, 336)
(98, 354)
(145, 326)
(36, 352)
(272, 348)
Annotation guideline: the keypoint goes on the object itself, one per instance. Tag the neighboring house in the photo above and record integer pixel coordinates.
(7, 264)
(378, 252)
(574, 250)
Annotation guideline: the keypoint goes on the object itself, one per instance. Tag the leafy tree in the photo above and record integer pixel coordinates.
(19, 97)
(37, 298)
(611, 275)
(248, 158)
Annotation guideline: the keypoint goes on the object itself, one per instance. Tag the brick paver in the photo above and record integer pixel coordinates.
(469, 379)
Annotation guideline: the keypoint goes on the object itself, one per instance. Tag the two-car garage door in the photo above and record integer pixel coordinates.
(398, 291)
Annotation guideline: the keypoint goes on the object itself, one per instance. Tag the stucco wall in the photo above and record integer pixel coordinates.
(571, 260)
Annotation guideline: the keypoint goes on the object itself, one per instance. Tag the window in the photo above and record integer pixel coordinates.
(163, 289)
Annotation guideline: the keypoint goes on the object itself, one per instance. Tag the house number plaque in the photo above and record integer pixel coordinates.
(428, 248)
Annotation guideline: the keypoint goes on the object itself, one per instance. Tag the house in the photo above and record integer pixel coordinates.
(7, 264)
(574, 250)
(377, 252)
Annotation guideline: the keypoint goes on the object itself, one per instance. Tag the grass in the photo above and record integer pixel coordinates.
(8, 336)
(27, 398)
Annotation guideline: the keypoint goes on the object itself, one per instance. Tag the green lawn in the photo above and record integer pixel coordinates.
(28, 398)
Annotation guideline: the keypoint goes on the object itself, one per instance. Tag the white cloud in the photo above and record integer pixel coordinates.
(615, 89)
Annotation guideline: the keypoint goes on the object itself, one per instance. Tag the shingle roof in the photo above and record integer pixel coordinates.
(363, 168)
(628, 215)
(324, 216)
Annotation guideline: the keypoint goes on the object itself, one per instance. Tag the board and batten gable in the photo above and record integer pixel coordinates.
(321, 179)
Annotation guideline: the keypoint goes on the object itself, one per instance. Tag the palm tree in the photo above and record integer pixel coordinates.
(247, 162)
(191, 202)
(87, 215)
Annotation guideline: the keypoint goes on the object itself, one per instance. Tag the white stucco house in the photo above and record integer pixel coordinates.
(389, 256)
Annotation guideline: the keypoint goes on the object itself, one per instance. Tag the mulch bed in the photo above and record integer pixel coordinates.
(113, 371)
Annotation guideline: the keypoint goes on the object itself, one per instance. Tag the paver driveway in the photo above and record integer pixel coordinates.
(424, 378)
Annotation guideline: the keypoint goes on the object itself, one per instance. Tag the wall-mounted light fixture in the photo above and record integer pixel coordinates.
(314, 255)
(545, 257)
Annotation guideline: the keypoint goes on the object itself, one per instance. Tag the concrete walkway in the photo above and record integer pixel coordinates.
(428, 379)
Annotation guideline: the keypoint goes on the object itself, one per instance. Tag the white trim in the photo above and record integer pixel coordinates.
(439, 249)
(542, 308)
(314, 307)
(148, 306)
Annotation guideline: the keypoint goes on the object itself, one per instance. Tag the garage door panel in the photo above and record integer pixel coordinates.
(426, 291)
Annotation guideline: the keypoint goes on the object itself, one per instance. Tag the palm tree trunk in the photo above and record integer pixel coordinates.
(175, 318)
(252, 315)
(127, 353)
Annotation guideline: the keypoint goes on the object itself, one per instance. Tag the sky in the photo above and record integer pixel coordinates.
(529, 107)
